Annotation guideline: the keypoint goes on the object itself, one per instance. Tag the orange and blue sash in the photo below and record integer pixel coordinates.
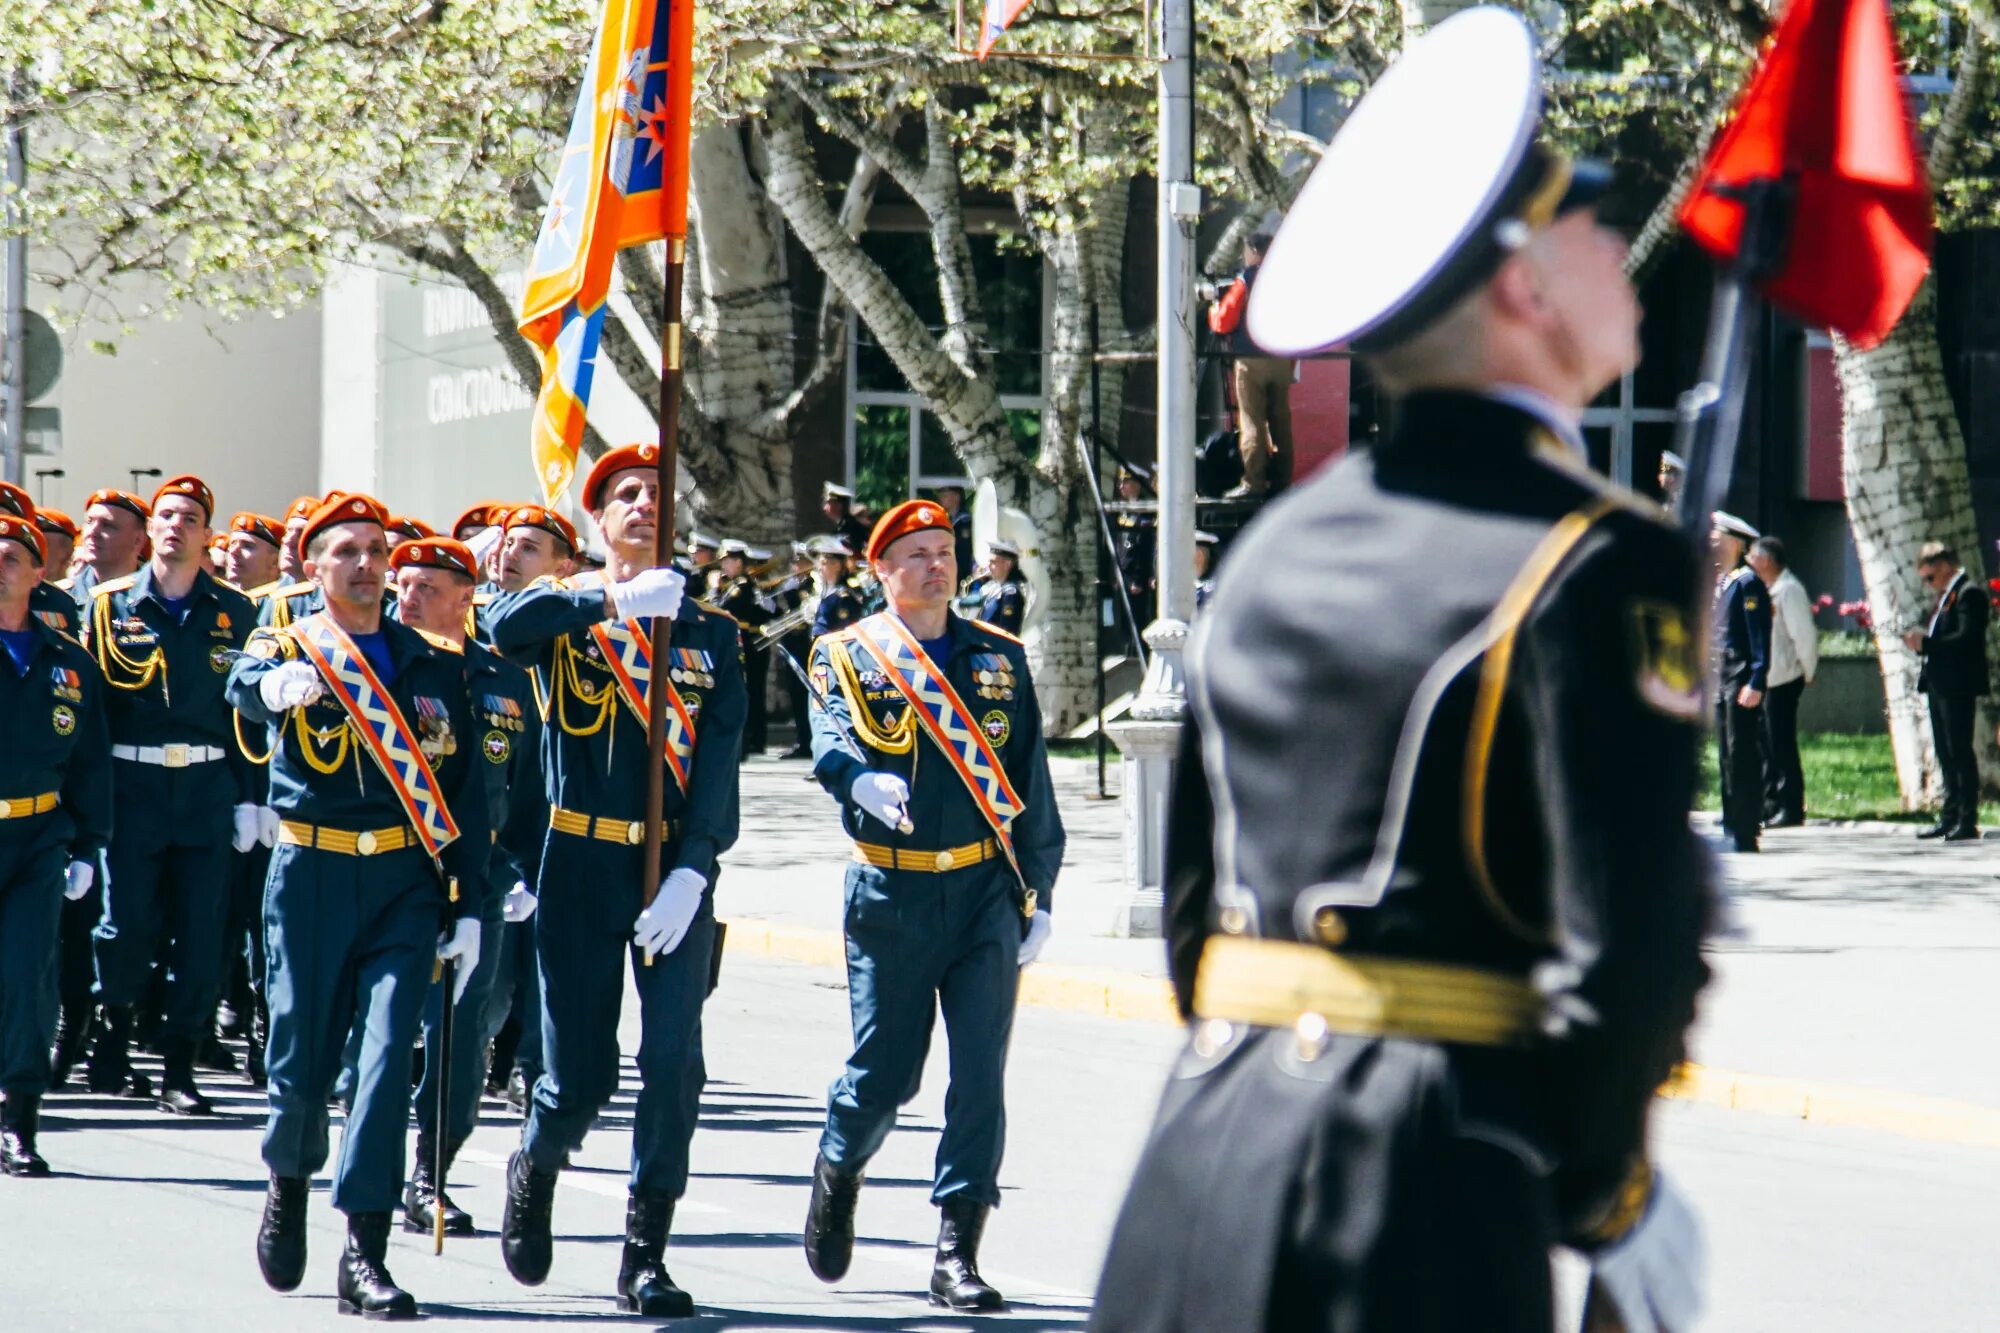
(630, 655)
(946, 720)
(384, 732)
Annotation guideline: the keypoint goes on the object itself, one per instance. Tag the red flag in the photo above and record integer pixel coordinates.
(1825, 107)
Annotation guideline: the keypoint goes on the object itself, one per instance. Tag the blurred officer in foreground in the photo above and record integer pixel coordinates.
(55, 817)
(1428, 1022)
(375, 775)
(165, 639)
(928, 735)
(587, 640)
(1743, 655)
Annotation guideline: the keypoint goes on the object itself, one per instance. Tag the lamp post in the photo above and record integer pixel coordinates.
(1150, 738)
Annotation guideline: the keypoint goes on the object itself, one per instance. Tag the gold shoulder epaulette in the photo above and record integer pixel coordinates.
(291, 590)
(259, 593)
(482, 598)
(715, 610)
(996, 631)
(113, 585)
(1558, 456)
(440, 641)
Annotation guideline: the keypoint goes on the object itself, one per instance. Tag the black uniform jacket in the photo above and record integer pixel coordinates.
(1955, 649)
(1462, 726)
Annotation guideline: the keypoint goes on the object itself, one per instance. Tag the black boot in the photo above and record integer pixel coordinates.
(20, 1116)
(830, 1221)
(72, 1032)
(364, 1286)
(500, 1061)
(213, 1055)
(426, 1191)
(643, 1285)
(525, 1242)
(253, 1046)
(111, 1058)
(955, 1280)
(178, 1093)
(281, 1239)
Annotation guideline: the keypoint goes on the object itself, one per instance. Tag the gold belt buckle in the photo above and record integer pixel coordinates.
(945, 860)
(364, 843)
(176, 756)
(635, 833)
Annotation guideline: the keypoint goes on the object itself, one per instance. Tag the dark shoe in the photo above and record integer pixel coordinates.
(798, 752)
(643, 1285)
(111, 1057)
(1940, 831)
(1785, 821)
(955, 1280)
(253, 1046)
(500, 1061)
(20, 1117)
(829, 1233)
(178, 1093)
(72, 1032)
(1966, 834)
(1746, 844)
(426, 1192)
(364, 1286)
(213, 1055)
(525, 1242)
(281, 1239)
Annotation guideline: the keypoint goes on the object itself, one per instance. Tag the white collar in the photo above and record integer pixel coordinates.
(1565, 423)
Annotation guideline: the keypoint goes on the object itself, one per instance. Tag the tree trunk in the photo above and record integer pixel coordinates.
(1903, 461)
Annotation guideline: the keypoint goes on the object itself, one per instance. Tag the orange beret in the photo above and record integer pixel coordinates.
(906, 518)
(616, 461)
(302, 508)
(55, 520)
(194, 488)
(118, 499)
(472, 520)
(16, 500)
(405, 529)
(436, 552)
(340, 508)
(534, 516)
(260, 527)
(14, 528)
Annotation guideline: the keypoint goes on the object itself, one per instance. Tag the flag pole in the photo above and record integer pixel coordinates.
(663, 555)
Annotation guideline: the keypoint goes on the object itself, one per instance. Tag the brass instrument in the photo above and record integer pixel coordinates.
(798, 618)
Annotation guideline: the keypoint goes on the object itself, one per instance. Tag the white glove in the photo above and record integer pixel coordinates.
(289, 685)
(267, 825)
(519, 904)
(1040, 927)
(883, 795)
(483, 543)
(650, 592)
(661, 927)
(1655, 1273)
(462, 945)
(78, 879)
(245, 836)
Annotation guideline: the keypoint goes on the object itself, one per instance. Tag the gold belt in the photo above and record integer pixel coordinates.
(20, 807)
(624, 832)
(930, 863)
(1279, 984)
(345, 841)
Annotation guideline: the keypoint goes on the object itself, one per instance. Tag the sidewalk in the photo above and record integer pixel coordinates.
(1853, 981)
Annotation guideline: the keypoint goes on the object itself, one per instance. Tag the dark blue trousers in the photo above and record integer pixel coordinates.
(917, 943)
(468, 1039)
(167, 877)
(589, 898)
(349, 944)
(517, 991)
(32, 860)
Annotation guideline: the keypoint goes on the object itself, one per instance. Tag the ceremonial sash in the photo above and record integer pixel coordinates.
(630, 655)
(946, 720)
(384, 732)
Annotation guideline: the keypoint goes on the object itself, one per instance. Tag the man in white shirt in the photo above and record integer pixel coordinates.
(1794, 661)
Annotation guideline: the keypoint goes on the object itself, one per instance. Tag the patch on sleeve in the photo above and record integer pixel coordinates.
(263, 645)
(1668, 662)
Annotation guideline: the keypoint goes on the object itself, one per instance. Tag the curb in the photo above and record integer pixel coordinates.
(1107, 993)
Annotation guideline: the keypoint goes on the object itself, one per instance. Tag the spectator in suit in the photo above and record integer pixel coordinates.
(1794, 660)
(1953, 648)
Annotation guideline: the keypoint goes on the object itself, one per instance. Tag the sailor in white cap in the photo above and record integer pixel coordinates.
(837, 503)
(996, 594)
(1743, 660)
(1435, 946)
(1204, 568)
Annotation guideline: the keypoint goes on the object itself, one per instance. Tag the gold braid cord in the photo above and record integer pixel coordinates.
(122, 672)
(899, 738)
(569, 684)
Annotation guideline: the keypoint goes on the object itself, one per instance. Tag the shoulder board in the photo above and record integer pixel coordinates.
(270, 641)
(68, 584)
(291, 590)
(590, 578)
(996, 632)
(259, 593)
(715, 610)
(1740, 573)
(1554, 453)
(482, 598)
(113, 585)
(439, 641)
(69, 639)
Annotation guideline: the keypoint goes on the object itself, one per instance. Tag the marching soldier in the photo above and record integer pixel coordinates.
(403, 528)
(52, 604)
(927, 733)
(291, 558)
(55, 819)
(1427, 1023)
(839, 602)
(836, 502)
(997, 596)
(434, 582)
(59, 534)
(114, 540)
(588, 640)
(1743, 653)
(255, 554)
(165, 639)
(736, 592)
(375, 774)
